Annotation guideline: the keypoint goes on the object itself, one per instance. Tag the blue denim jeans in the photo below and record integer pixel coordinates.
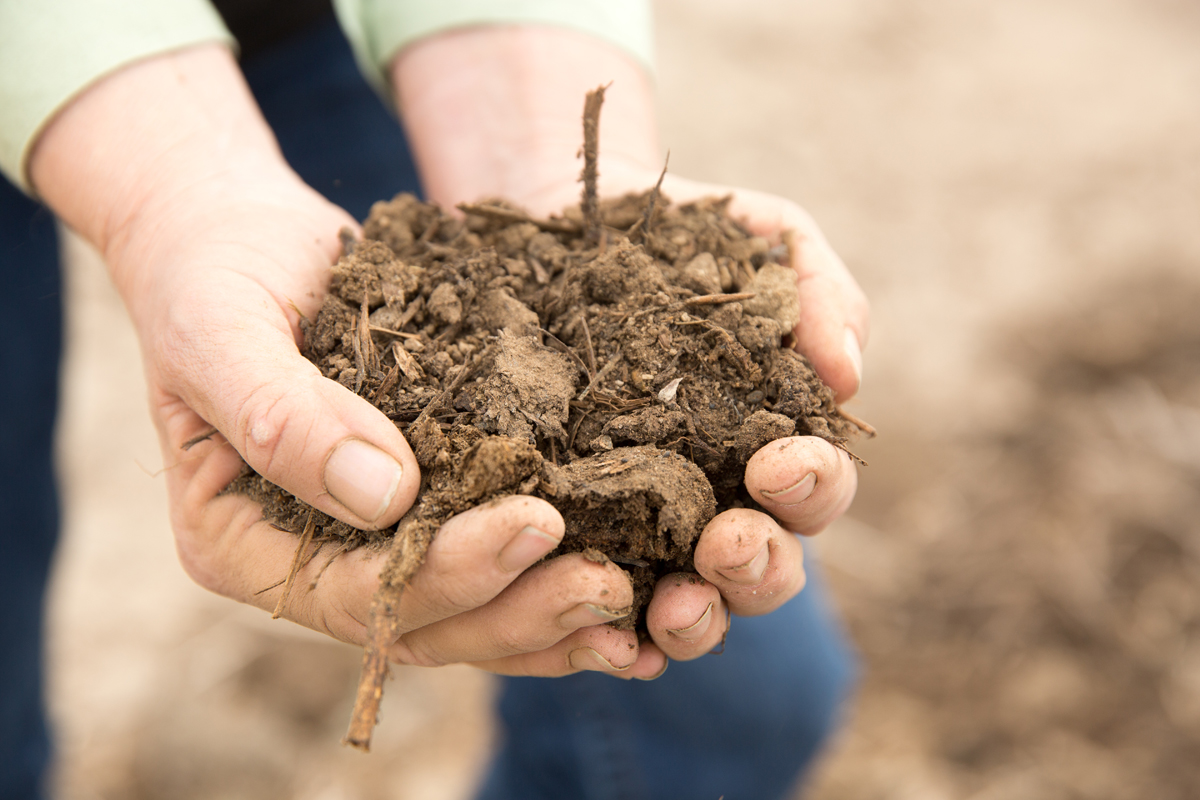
(30, 343)
(743, 724)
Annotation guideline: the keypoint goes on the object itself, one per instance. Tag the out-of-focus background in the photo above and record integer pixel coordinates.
(1017, 187)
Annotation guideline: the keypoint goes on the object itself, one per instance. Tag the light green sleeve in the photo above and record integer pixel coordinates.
(51, 50)
(378, 29)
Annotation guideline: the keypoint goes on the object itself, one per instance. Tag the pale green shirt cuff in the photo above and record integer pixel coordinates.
(51, 50)
(379, 29)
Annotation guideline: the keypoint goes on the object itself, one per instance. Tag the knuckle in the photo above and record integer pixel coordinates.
(454, 594)
(509, 641)
(331, 618)
(415, 653)
(265, 421)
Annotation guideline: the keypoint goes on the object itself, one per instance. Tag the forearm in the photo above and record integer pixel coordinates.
(146, 152)
(496, 111)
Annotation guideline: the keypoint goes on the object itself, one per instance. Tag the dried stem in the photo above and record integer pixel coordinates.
(717, 299)
(404, 559)
(591, 150)
(298, 562)
(365, 357)
(591, 352)
(648, 215)
(510, 215)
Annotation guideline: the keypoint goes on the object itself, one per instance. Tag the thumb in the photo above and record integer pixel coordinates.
(303, 432)
(324, 444)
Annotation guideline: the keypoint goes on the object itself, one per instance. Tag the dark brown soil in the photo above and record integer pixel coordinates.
(626, 383)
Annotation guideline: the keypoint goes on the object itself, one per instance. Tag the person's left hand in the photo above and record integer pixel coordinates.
(752, 561)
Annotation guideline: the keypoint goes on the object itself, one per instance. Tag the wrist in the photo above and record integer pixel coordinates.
(496, 111)
(165, 157)
(127, 153)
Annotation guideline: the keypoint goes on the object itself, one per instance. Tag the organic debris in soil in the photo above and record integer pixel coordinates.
(622, 365)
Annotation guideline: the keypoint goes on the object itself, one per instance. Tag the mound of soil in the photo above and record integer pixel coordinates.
(626, 383)
(622, 362)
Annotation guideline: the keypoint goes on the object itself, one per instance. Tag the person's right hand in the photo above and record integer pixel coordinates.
(217, 248)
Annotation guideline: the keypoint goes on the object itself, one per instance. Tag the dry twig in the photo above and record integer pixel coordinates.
(590, 204)
(511, 215)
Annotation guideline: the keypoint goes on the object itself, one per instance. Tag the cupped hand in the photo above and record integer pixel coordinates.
(218, 249)
(220, 331)
(750, 562)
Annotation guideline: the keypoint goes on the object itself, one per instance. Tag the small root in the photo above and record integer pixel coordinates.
(195, 440)
(299, 561)
(862, 425)
(648, 216)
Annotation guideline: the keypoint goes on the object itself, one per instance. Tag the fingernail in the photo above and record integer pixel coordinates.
(586, 614)
(585, 658)
(854, 353)
(363, 478)
(657, 675)
(525, 549)
(696, 630)
(795, 494)
(752, 571)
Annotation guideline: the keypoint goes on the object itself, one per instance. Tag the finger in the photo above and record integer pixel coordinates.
(755, 564)
(834, 313)
(232, 551)
(303, 432)
(803, 481)
(600, 648)
(228, 550)
(686, 616)
(540, 608)
(476, 554)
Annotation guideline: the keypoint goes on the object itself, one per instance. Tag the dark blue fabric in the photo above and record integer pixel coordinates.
(743, 724)
(30, 346)
(333, 129)
(337, 134)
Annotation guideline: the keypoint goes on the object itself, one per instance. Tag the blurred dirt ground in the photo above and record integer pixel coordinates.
(1017, 187)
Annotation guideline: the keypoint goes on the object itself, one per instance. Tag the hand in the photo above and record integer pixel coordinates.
(485, 115)
(219, 337)
(752, 562)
